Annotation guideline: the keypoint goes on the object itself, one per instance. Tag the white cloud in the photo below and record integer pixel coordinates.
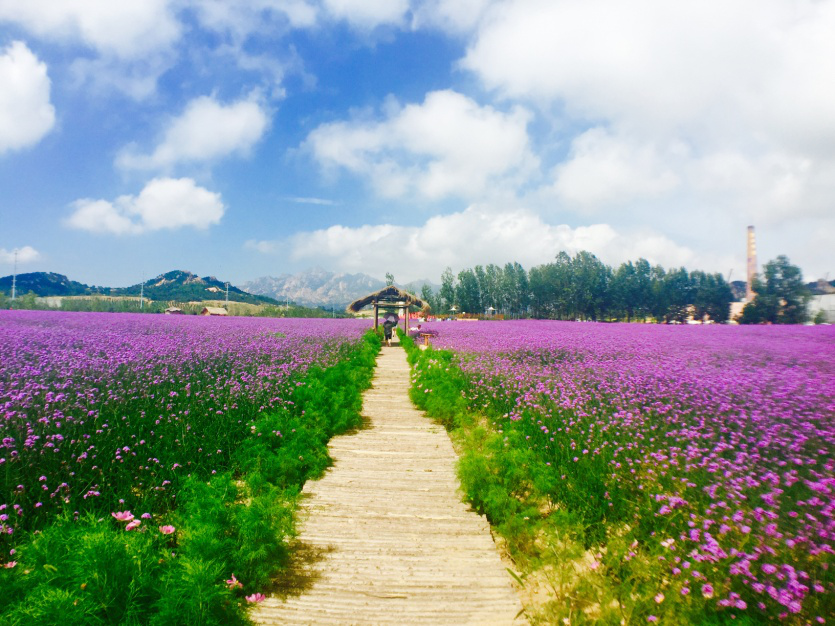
(264, 247)
(133, 40)
(722, 103)
(447, 146)
(26, 254)
(477, 235)
(368, 14)
(453, 16)
(657, 63)
(137, 78)
(26, 113)
(309, 200)
(127, 28)
(240, 18)
(163, 204)
(603, 170)
(207, 130)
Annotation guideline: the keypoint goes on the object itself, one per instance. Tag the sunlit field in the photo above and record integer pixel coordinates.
(119, 422)
(694, 465)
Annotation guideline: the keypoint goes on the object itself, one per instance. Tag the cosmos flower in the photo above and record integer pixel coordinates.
(233, 582)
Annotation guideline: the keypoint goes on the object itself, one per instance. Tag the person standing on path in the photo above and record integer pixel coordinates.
(388, 325)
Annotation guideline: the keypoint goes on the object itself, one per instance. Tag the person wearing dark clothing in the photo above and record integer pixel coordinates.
(388, 325)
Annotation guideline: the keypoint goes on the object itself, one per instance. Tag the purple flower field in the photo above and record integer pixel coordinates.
(105, 413)
(709, 448)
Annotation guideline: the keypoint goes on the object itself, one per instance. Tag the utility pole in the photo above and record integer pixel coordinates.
(752, 264)
(227, 295)
(14, 275)
(142, 294)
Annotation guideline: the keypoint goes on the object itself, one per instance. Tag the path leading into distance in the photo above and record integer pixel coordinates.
(384, 536)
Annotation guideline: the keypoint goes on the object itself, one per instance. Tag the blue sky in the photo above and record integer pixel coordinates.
(250, 138)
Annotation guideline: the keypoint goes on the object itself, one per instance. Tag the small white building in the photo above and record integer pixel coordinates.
(214, 311)
(824, 304)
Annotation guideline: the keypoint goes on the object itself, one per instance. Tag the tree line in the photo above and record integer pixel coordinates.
(104, 304)
(584, 288)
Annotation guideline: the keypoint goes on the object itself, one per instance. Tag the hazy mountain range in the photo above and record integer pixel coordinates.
(177, 285)
(318, 287)
(313, 288)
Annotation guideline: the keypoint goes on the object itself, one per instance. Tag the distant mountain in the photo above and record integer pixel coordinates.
(416, 286)
(184, 286)
(176, 286)
(315, 287)
(45, 284)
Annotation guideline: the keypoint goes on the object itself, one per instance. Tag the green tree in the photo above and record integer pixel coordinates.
(623, 291)
(389, 279)
(590, 282)
(483, 287)
(678, 295)
(27, 301)
(467, 292)
(713, 296)
(658, 302)
(642, 289)
(561, 276)
(495, 280)
(781, 296)
(540, 280)
(428, 296)
(447, 292)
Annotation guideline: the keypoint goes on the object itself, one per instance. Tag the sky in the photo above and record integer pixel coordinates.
(249, 138)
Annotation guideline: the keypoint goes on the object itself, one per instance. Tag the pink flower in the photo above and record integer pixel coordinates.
(10, 564)
(707, 590)
(123, 516)
(133, 524)
(233, 582)
(685, 591)
(167, 529)
(256, 597)
(652, 618)
(659, 598)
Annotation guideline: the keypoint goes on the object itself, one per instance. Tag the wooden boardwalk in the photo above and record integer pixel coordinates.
(384, 536)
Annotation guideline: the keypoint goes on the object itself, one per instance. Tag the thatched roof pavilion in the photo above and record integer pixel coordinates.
(389, 297)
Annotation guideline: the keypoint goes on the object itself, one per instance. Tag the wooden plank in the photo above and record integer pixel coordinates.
(384, 536)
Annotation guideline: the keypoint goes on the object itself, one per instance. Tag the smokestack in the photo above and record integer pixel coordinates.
(752, 263)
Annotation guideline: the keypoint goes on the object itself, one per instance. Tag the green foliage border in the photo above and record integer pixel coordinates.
(90, 571)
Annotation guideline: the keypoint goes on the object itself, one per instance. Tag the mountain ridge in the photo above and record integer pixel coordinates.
(176, 285)
(318, 287)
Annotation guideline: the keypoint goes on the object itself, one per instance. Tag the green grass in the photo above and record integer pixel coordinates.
(89, 570)
(575, 563)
